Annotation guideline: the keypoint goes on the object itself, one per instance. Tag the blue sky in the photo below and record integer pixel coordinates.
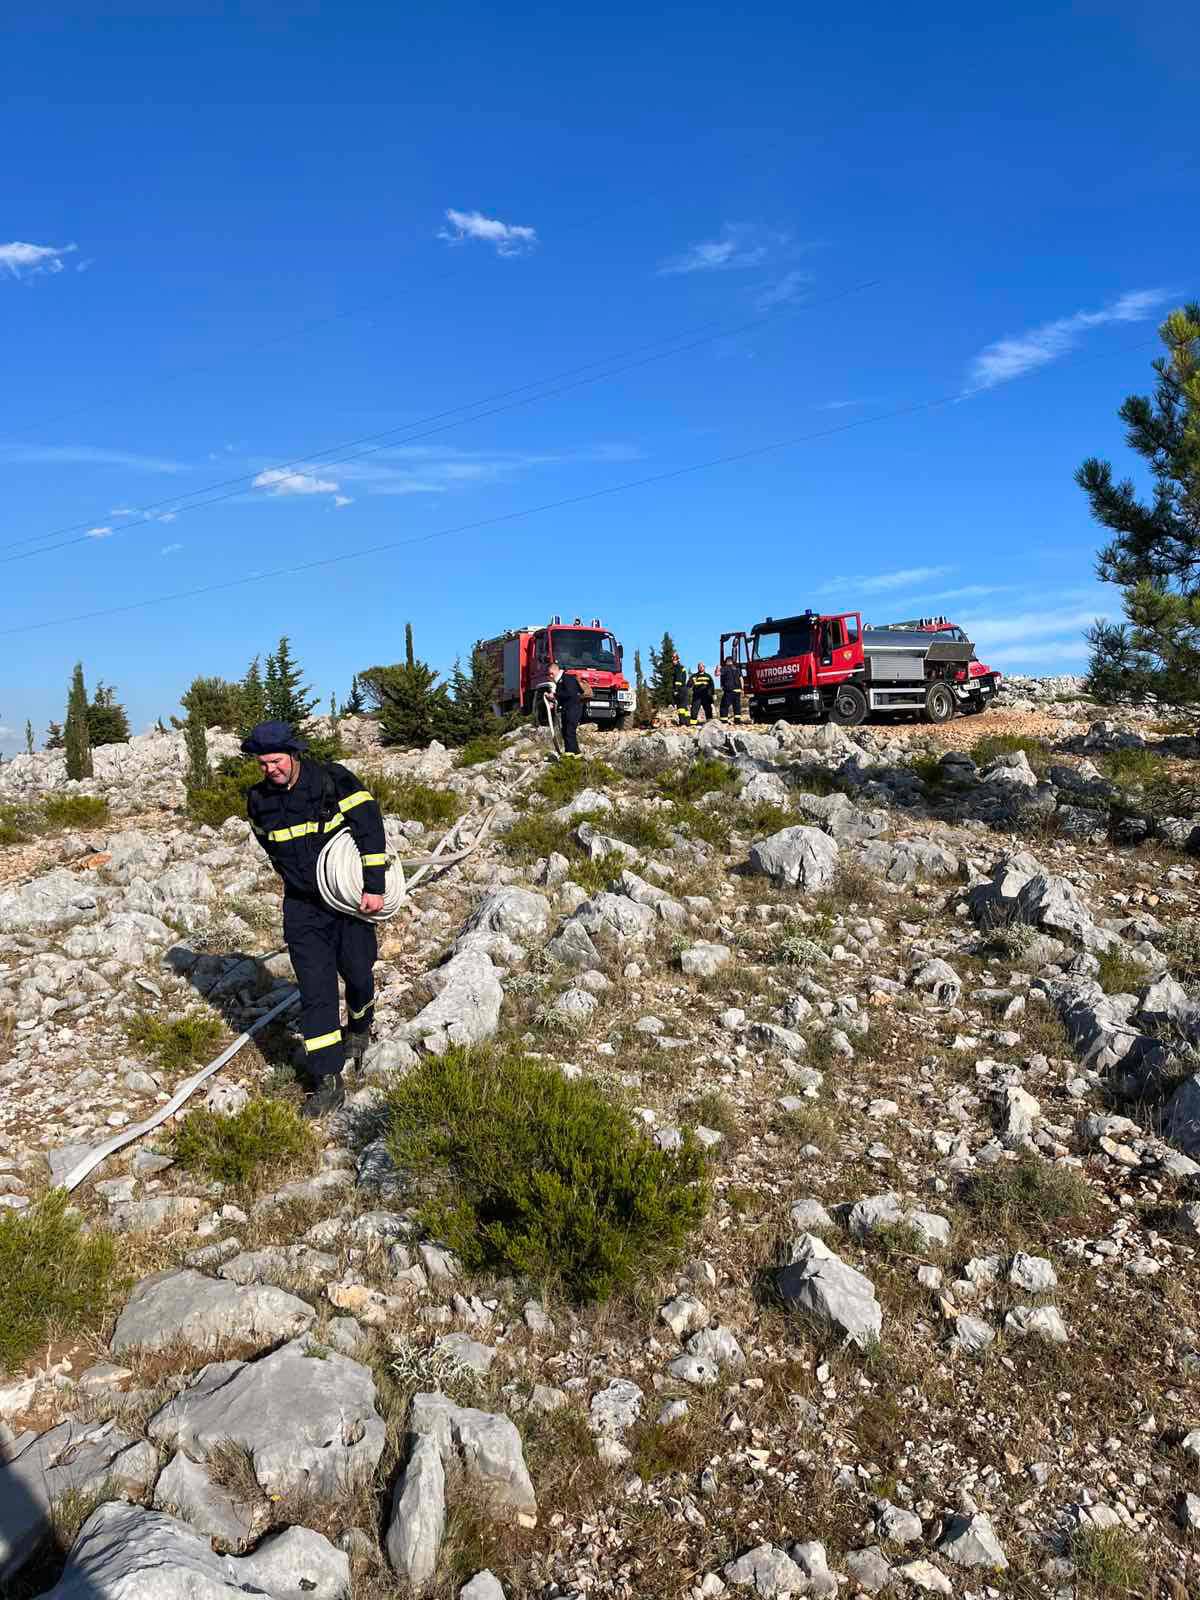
(931, 246)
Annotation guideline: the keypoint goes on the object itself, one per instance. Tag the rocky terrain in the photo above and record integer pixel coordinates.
(932, 1021)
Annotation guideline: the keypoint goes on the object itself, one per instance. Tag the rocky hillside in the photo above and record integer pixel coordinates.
(777, 1172)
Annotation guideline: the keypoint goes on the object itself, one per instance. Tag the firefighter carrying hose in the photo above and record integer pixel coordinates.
(701, 685)
(679, 681)
(293, 811)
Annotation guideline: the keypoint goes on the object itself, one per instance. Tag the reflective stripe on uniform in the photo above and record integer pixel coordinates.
(282, 835)
(355, 799)
(355, 1016)
(374, 860)
(323, 1041)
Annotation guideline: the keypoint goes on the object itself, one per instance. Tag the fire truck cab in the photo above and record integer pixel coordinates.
(523, 657)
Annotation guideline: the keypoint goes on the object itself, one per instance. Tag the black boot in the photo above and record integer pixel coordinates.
(328, 1094)
(357, 1043)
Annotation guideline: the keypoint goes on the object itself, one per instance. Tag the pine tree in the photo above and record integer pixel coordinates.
(413, 707)
(288, 698)
(662, 669)
(75, 737)
(54, 737)
(252, 698)
(410, 659)
(106, 719)
(1154, 555)
(217, 700)
(639, 677)
(474, 695)
(354, 705)
(199, 773)
(28, 737)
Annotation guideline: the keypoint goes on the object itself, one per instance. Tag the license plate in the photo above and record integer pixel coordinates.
(777, 699)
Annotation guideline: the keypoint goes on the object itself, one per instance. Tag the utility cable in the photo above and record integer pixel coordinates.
(330, 455)
(669, 476)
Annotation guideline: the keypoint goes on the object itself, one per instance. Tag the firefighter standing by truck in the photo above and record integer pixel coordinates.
(569, 697)
(731, 689)
(293, 812)
(679, 681)
(701, 686)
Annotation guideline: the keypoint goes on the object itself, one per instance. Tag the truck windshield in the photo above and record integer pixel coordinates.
(793, 640)
(583, 647)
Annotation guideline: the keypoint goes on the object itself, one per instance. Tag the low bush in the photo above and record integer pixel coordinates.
(242, 1149)
(1120, 974)
(74, 810)
(642, 829)
(985, 750)
(1028, 1196)
(16, 825)
(483, 747)
(563, 780)
(523, 1171)
(1181, 945)
(1133, 766)
(176, 1044)
(1108, 1561)
(412, 801)
(701, 822)
(705, 775)
(57, 1278)
(765, 818)
(224, 796)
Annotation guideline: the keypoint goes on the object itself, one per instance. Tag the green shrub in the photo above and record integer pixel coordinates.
(929, 769)
(985, 750)
(1120, 974)
(224, 796)
(243, 1148)
(765, 818)
(57, 1279)
(820, 781)
(1133, 766)
(412, 801)
(483, 747)
(1108, 1561)
(701, 822)
(537, 834)
(563, 780)
(524, 1171)
(1181, 946)
(642, 829)
(74, 810)
(1029, 1195)
(174, 1044)
(18, 824)
(705, 775)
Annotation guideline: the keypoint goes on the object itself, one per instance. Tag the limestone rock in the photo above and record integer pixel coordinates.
(822, 1285)
(180, 1305)
(797, 858)
(418, 1522)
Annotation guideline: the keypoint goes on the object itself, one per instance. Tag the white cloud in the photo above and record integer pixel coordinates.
(439, 469)
(507, 238)
(1014, 356)
(170, 549)
(168, 516)
(790, 287)
(884, 582)
(29, 260)
(1016, 628)
(340, 500)
(99, 533)
(46, 455)
(841, 405)
(278, 481)
(739, 245)
(6, 732)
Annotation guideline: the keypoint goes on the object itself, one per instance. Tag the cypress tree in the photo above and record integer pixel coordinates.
(410, 659)
(76, 742)
(252, 698)
(199, 774)
(28, 737)
(662, 667)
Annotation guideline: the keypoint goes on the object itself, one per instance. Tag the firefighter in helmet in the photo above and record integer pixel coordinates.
(701, 685)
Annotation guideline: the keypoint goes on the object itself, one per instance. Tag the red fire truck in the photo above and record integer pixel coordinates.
(522, 658)
(830, 668)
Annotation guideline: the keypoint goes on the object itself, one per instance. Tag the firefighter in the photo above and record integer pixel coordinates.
(679, 679)
(564, 687)
(701, 685)
(731, 689)
(293, 811)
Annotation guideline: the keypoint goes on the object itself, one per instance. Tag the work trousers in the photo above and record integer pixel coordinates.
(324, 945)
(570, 720)
(682, 715)
(731, 703)
(702, 702)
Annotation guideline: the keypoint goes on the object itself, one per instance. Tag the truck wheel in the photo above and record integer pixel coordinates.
(939, 702)
(849, 706)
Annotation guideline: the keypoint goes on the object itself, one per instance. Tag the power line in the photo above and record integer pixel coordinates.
(372, 443)
(629, 484)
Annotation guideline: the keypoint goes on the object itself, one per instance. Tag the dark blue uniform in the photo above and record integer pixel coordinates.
(292, 825)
